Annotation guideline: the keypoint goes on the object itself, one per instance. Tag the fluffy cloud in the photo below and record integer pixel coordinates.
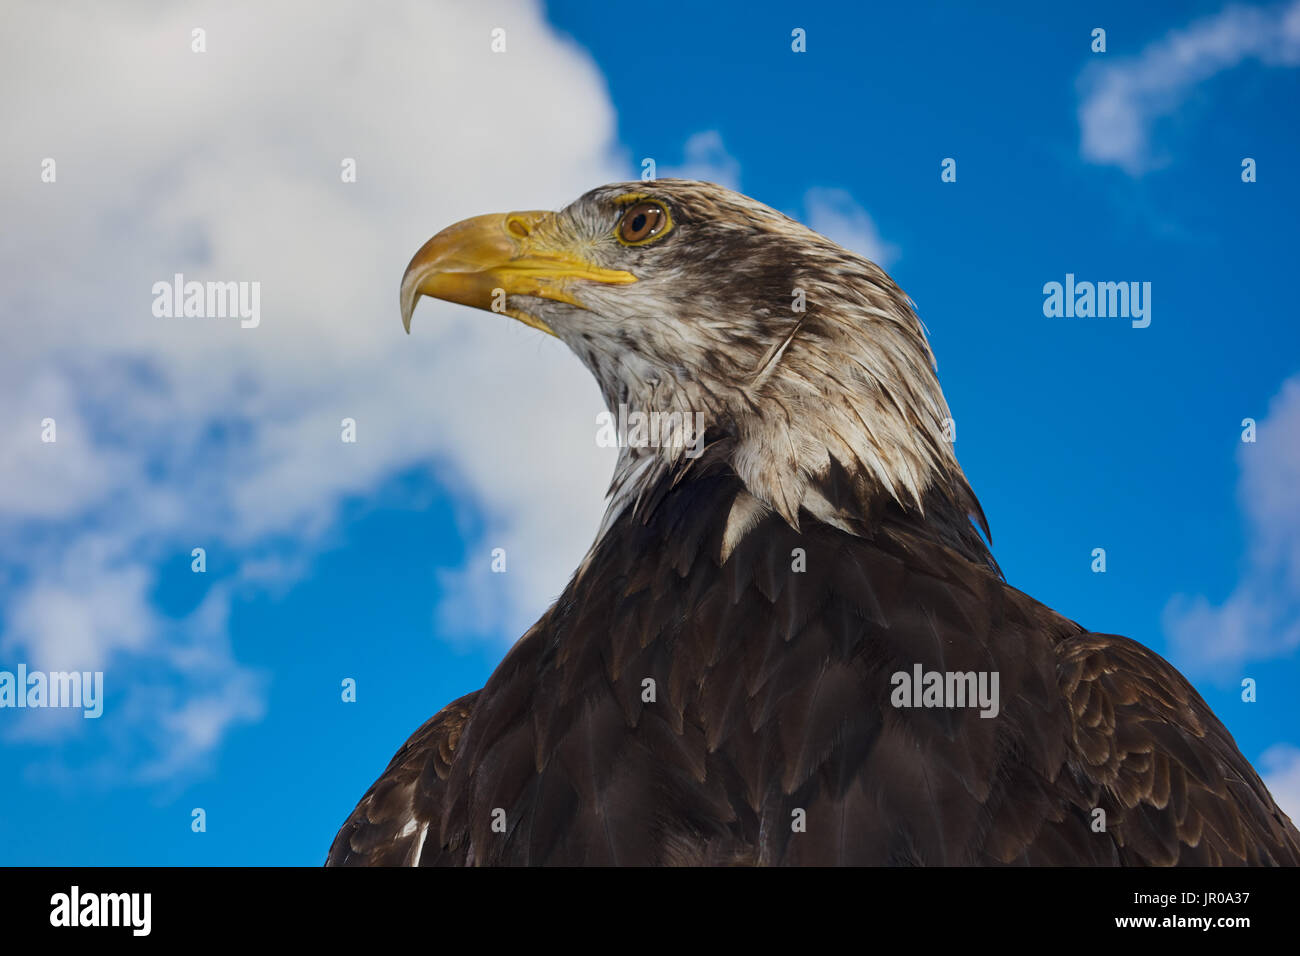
(225, 165)
(1261, 617)
(705, 157)
(1122, 98)
(172, 432)
(1281, 772)
(836, 214)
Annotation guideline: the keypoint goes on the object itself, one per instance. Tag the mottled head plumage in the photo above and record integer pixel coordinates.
(773, 691)
(797, 352)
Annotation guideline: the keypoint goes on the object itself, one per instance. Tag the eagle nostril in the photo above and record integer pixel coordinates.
(517, 227)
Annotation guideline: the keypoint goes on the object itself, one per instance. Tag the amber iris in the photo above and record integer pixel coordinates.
(642, 221)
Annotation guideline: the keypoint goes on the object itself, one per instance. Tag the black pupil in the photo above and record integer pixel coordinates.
(638, 222)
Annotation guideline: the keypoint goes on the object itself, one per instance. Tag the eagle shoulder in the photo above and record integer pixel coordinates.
(1151, 754)
(391, 824)
(682, 706)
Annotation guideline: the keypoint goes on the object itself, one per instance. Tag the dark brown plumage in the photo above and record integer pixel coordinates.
(772, 695)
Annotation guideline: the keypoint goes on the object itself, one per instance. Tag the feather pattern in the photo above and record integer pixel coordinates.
(717, 684)
(771, 705)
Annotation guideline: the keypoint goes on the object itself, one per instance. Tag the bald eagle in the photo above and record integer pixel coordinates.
(789, 643)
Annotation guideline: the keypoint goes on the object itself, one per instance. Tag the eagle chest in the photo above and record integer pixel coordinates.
(776, 707)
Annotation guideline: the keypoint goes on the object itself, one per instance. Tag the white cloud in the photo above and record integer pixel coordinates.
(1260, 619)
(1281, 773)
(89, 602)
(705, 157)
(174, 433)
(836, 214)
(225, 165)
(1122, 98)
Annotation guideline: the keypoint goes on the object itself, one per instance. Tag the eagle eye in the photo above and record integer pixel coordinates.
(642, 222)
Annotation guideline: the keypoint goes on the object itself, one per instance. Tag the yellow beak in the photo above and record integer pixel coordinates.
(482, 260)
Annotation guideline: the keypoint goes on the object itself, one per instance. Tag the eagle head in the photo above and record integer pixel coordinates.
(804, 361)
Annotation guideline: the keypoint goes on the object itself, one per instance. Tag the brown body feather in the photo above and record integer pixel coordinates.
(827, 432)
(773, 695)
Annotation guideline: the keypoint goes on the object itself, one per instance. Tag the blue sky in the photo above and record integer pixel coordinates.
(328, 561)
